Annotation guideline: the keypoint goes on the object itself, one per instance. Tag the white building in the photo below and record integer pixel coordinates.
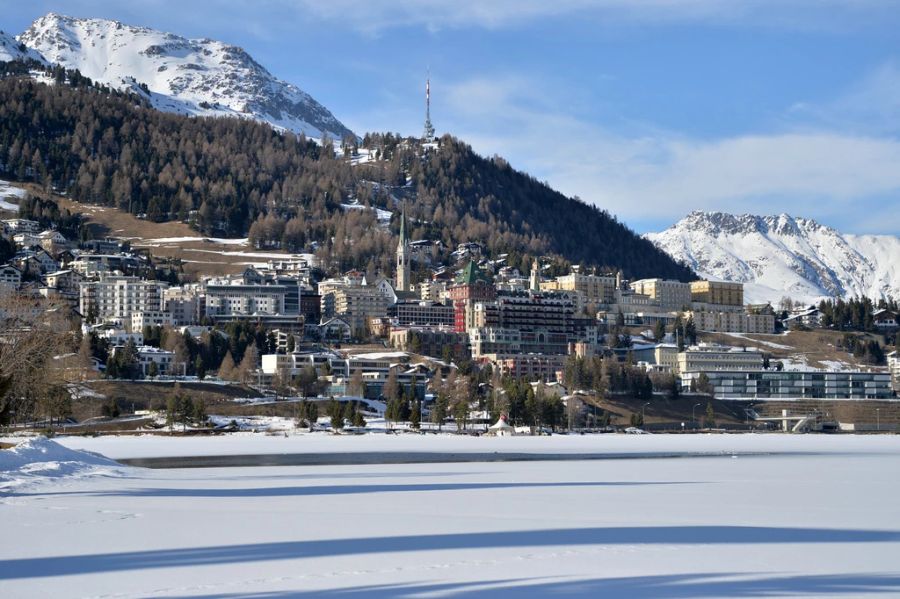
(119, 297)
(21, 225)
(10, 277)
(732, 321)
(244, 300)
(893, 360)
(353, 303)
(293, 363)
(183, 304)
(708, 358)
(148, 355)
(163, 359)
(121, 336)
(150, 318)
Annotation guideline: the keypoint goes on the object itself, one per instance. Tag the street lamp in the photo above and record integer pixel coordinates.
(878, 419)
(642, 412)
(693, 412)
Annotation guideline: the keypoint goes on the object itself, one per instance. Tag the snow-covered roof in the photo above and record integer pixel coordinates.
(393, 355)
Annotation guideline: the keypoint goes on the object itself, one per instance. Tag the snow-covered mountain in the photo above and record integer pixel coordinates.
(777, 256)
(187, 76)
(10, 49)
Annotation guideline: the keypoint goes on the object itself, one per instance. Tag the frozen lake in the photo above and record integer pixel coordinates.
(821, 518)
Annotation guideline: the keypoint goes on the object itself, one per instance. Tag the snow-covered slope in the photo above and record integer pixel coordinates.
(776, 256)
(10, 49)
(187, 76)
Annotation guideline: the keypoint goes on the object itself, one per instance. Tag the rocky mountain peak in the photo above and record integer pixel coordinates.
(188, 76)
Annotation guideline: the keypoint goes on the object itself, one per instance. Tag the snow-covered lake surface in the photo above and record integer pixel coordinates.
(818, 517)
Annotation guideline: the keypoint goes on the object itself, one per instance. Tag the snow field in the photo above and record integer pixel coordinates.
(818, 521)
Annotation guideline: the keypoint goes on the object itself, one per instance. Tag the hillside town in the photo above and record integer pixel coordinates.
(449, 299)
(392, 343)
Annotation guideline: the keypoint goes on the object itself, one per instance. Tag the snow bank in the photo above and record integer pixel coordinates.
(218, 240)
(149, 446)
(41, 459)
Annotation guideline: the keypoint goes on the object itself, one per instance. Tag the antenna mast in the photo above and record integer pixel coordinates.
(428, 135)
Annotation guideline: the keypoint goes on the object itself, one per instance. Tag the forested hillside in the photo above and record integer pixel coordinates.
(233, 177)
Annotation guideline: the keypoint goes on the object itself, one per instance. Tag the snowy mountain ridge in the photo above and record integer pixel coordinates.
(782, 255)
(200, 77)
(10, 49)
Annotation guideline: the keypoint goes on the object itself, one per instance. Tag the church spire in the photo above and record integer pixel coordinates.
(402, 281)
(403, 226)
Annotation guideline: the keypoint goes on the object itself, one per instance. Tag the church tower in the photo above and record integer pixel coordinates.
(535, 282)
(402, 282)
(428, 135)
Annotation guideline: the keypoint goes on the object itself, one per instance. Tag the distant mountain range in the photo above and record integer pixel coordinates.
(777, 256)
(186, 76)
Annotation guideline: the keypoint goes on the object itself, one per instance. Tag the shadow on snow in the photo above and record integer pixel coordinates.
(38, 567)
(678, 586)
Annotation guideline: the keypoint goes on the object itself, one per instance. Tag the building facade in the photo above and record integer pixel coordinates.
(777, 385)
(670, 295)
(707, 359)
(470, 287)
(717, 292)
(118, 297)
(223, 301)
(422, 313)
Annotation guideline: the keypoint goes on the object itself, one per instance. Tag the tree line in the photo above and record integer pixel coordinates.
(236, 177)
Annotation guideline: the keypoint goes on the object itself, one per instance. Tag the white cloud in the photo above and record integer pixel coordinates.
(662, 175)
(375, 16)
(871, 105)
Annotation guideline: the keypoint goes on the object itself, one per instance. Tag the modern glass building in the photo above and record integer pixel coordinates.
(768, 384)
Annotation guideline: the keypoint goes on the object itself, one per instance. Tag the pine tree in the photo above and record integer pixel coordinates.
(659, 332)
(226, 368)
(710, 415)
(690, 331)
(391, 389)
(415, 418)
(439, 411)
(85, 356)
(357, 387)
(173, 409)
(186, 413)
(336, 413)
(248, 363)
(199, 416)
(358, 420)
(461, 414)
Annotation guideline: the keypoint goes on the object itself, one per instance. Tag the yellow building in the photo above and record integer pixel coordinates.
(591, 290)
(717, 292)
(671, 295)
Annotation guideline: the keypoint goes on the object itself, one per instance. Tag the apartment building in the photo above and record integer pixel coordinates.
(421, 313)
(224, 300)
(710, 358)
(438, 342)
(589, 290)
(717, 292)
(119, 297)
(732, 321)
(670, 295)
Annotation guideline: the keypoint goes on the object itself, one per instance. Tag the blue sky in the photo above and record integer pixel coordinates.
(648, 108)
